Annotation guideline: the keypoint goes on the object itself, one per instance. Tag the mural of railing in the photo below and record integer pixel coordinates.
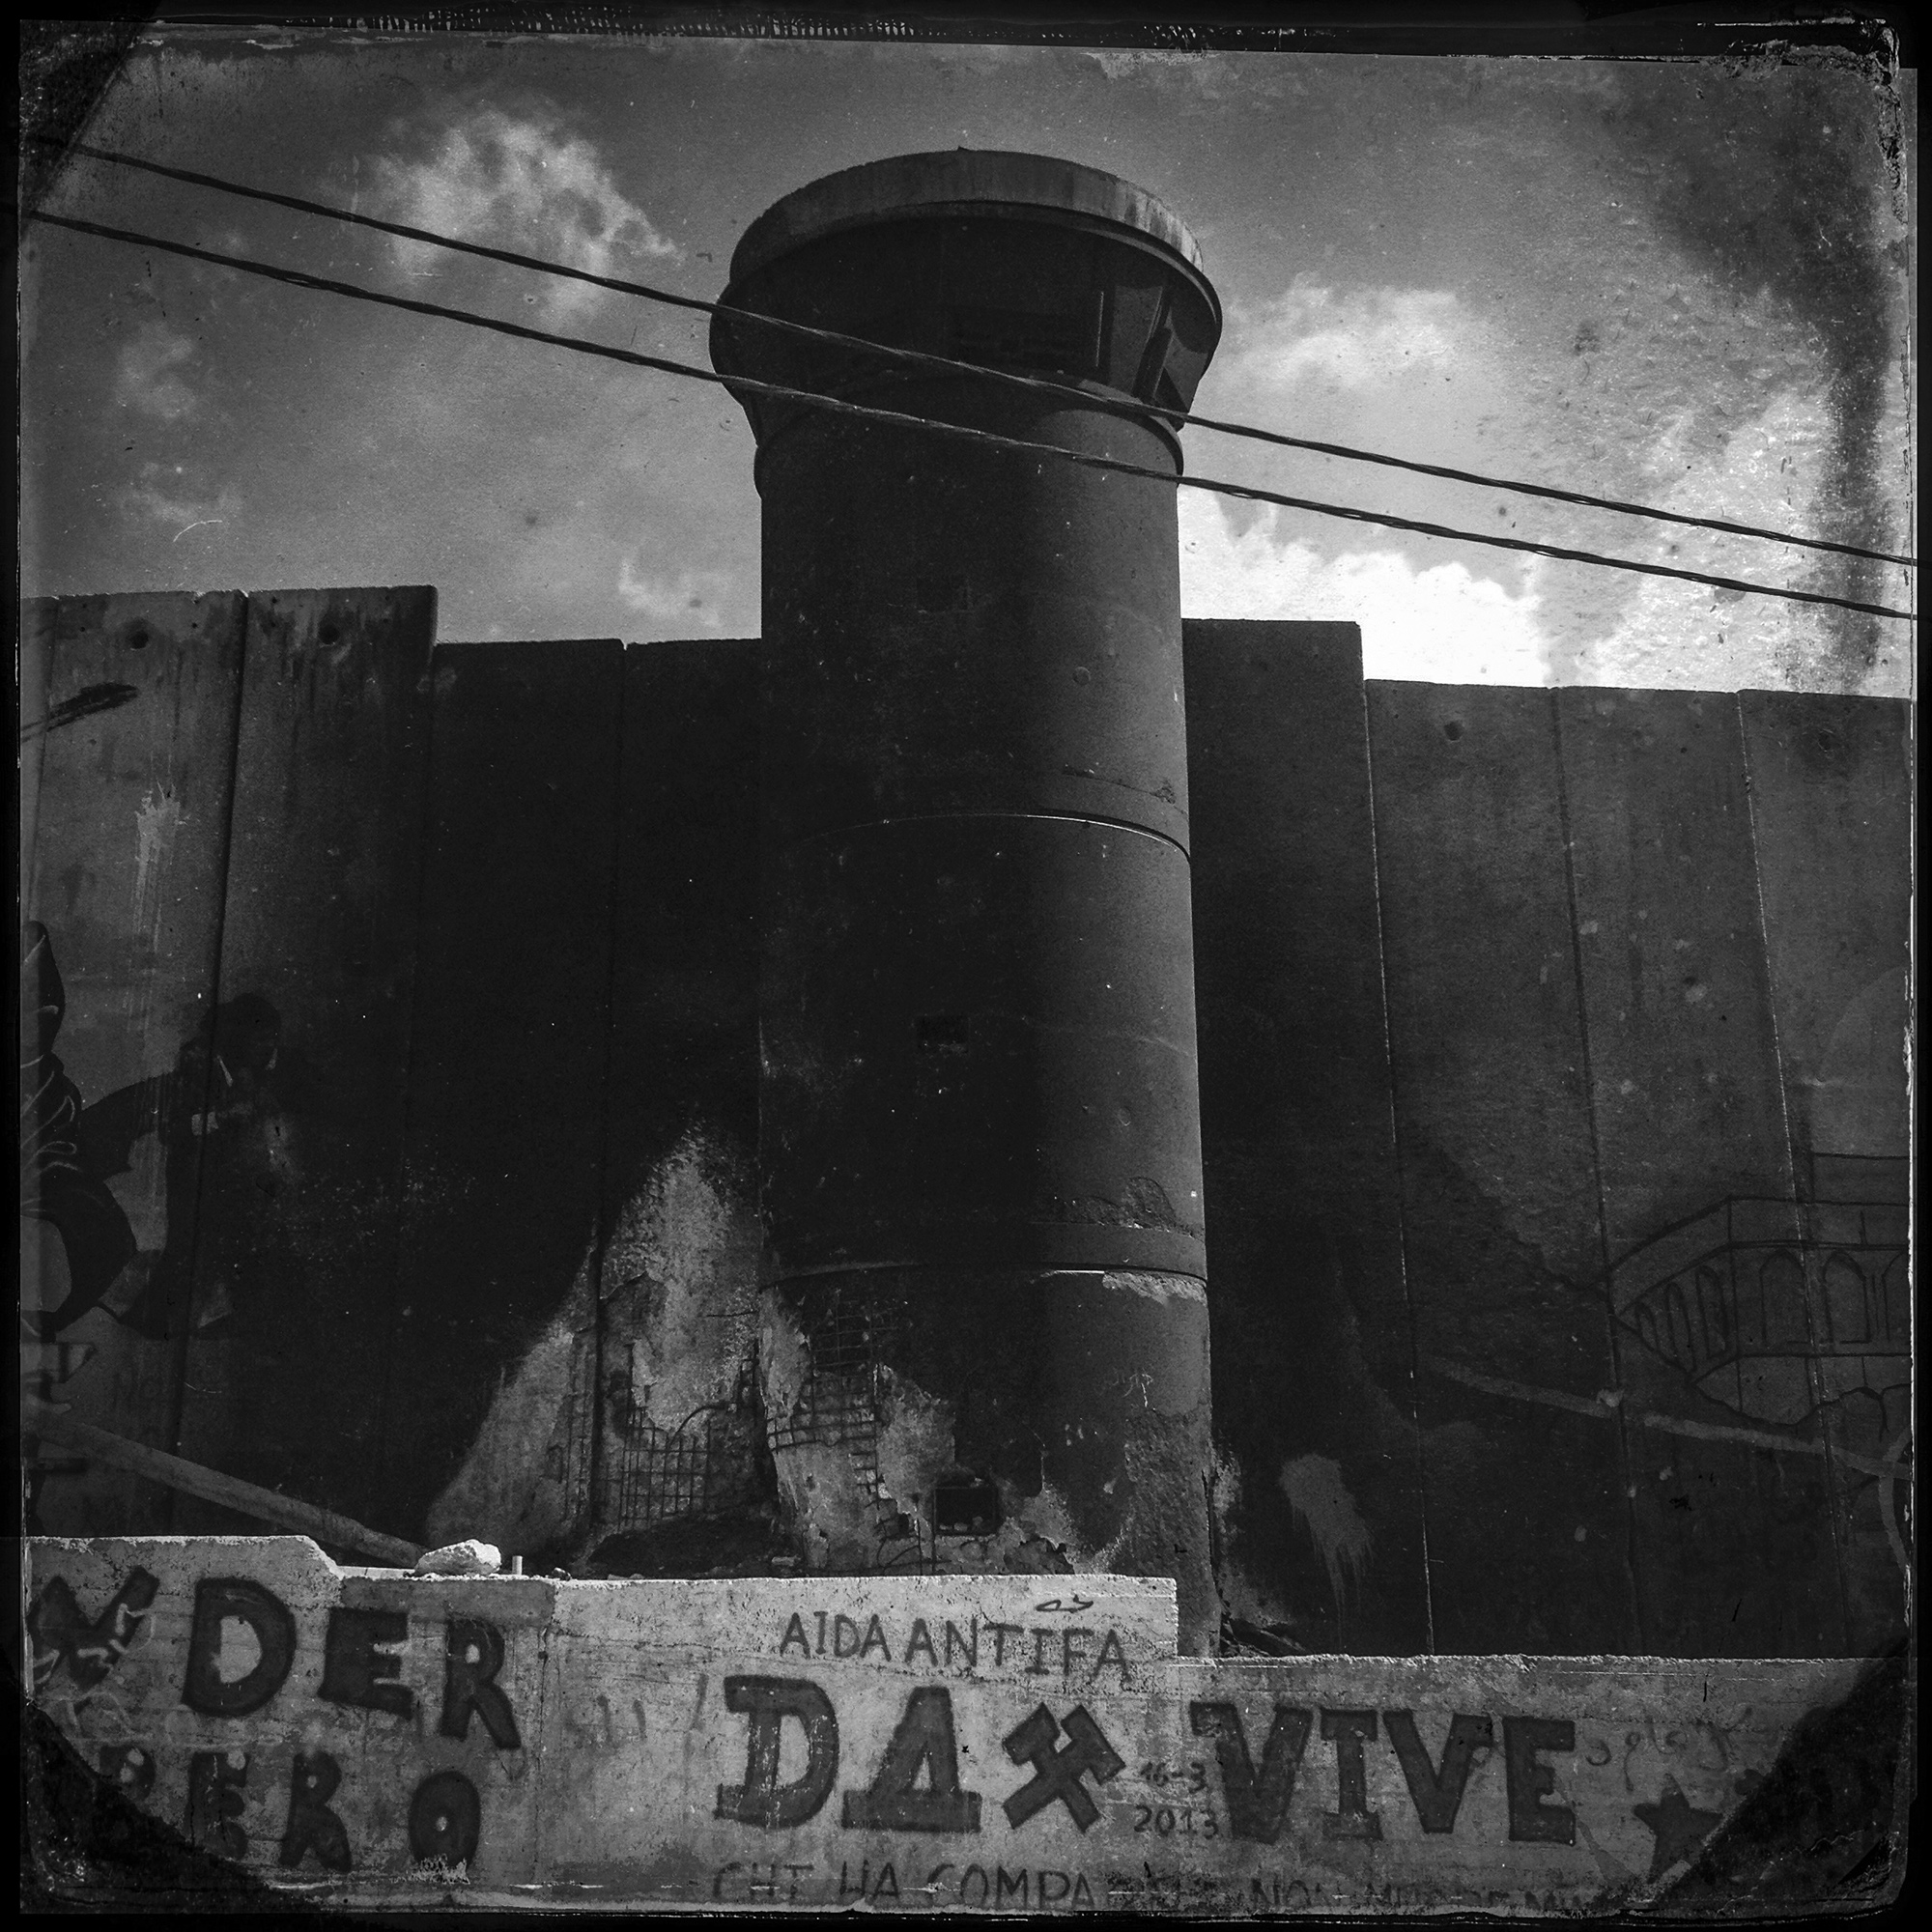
(839, 1406)
(1772, 1305)
(702, 1468)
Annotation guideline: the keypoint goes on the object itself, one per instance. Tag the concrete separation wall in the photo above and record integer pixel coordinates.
(993, 1742)
(392, 1094)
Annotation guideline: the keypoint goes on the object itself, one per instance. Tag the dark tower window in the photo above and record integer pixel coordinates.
(940, 1032)
(942, 590)
(965, 1508)
(998, 335)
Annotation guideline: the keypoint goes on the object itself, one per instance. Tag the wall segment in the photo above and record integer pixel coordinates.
(1406, 1191)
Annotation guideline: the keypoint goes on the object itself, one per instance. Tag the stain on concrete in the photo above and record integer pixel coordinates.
(591, 1472)
(90, 1846)
(1326, 1513)
(915, 1447)
(1855, 1099)
(1825, 1826)
(158, 820)
(680, 1274)
(680, 1436)
(1302, 1289)
(514, 1488)
(864, 1448)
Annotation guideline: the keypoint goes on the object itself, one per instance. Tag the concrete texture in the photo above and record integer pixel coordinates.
(993, 1742)
(303, 1189)
(226, 864)
(1831, 797)
(523, 757)
(1689, 1108)
(1501, 1229)
(129, 716)
(1318, 1488)
(665, 1391)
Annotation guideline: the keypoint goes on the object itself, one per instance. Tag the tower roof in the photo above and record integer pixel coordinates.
(962, 181)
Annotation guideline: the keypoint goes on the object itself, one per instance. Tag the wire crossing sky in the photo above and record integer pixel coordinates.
(916, 359)
(300, 278)
(1672, 285)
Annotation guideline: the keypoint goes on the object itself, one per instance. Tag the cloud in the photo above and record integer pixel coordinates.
(1348, 339)
(1770, 467)
(1120, 63)
(524, 184)
(144, 378)
(692, 598)
(225, 239)
(1440, 625)
(1207, 77)
(161, 494)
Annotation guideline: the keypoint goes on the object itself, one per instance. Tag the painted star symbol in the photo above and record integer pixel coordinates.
(1677, 1825)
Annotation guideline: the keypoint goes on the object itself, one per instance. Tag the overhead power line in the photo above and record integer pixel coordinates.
(837, 405)
(920, 359)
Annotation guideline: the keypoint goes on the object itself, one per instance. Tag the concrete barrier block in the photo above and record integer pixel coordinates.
(340, 1728)
(1031, 1743)
(842, 1740)
(1506, 1783)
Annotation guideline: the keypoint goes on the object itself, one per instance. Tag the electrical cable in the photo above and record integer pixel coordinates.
(751, 386)
(920, 359)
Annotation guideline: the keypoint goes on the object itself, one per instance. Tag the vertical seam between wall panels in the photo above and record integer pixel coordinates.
(1400, 1188)
(600, 1232)
(1626, 1456)
(29, 848)
(1813, 1376)
(178, 1368)
(41, 1386)
(535, 1761)
(1909, 715)
(425, 843)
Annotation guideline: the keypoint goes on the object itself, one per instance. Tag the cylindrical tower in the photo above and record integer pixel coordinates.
(980, 1139)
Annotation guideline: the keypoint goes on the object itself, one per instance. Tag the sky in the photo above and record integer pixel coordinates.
(1684, 284)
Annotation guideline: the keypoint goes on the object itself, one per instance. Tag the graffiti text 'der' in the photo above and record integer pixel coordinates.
(361, 1666)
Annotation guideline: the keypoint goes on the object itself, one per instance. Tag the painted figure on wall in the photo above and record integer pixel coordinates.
(58, 1191)
(221, 1118)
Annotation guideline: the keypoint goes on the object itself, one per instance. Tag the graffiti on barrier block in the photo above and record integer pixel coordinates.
(901, 1742)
